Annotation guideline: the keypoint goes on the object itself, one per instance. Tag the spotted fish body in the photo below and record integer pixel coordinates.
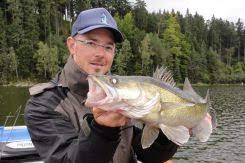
(156, 102)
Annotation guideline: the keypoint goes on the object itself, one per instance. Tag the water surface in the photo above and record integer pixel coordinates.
(11, 98)
(227, 143)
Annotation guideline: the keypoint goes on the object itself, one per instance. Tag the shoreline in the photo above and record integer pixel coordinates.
(21, 84)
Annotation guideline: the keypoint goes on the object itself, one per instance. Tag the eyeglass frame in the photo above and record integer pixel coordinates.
(95, 45)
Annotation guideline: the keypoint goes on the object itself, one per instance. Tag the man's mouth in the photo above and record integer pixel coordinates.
(96, 64)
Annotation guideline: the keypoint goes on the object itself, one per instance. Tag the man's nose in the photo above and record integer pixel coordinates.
(100, 51)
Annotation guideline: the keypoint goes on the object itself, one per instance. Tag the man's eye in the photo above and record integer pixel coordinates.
(91, 43)
(109, 48)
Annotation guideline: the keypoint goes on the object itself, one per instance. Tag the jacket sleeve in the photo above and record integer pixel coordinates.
(161, 150)
(56, 139)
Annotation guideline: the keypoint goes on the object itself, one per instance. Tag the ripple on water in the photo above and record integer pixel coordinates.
(227, 143)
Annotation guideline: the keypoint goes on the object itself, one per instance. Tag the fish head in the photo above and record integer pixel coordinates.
(111, 90)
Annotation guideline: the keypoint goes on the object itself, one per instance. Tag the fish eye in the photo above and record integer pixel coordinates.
(113, 80)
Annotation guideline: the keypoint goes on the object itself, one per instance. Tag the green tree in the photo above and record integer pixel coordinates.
(197, 70)
(8, 64)
(3, 67)
(243, 40)
(53, 61)
(16, 36)
(178, 46)
(44, 9)
(239, 26)
(135, 63)
(15, 26)
(122, 7)
(47, 60)
(146, 53)
(59, 42)
(153, 23)
(79, 5)
(214, 66)
(3, 38)
(159, 54)
(13, 62)
(134, 36)
(140, 14)
(238, 68)
(28, 44)
(126, 25)
(123, 58)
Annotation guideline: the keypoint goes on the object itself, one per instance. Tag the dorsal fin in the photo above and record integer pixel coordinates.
(164, 75)
(188, 88)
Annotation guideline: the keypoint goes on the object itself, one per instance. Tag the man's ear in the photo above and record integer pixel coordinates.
(71, 45)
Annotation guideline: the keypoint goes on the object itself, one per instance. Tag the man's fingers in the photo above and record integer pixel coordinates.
(111, 119)
(97, 111)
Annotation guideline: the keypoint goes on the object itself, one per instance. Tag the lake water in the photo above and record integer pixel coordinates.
(11, 98)
(227, 143)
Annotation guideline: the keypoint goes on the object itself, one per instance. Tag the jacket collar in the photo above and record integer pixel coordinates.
(74, 78)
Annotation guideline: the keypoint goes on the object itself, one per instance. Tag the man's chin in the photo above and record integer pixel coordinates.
(97, 71)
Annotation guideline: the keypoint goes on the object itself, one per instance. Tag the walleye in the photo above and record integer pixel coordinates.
(157, 102)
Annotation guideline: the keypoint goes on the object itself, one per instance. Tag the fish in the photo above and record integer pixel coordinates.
(156, 102)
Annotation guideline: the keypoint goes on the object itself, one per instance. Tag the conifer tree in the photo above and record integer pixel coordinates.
(145, 51)
(123, 58)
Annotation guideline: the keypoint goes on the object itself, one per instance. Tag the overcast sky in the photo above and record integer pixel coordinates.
(226, 9)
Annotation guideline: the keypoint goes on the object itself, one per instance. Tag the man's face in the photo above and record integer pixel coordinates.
(92, 59)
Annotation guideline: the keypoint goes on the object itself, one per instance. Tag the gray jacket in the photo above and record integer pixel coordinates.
(63, 130)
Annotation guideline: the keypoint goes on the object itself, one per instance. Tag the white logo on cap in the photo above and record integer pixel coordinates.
(103, 19)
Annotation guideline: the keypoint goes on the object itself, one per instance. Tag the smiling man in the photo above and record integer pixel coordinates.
(94, 51)
(62, 128)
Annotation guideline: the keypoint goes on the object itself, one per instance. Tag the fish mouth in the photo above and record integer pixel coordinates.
(99, 92)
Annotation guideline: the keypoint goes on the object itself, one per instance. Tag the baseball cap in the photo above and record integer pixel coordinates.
(96, 18)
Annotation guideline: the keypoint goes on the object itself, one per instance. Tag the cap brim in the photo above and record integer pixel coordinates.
(117, 34)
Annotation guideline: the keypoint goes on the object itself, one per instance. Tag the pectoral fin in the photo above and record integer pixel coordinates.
(139, 112)
(149, 135)
(179, 135)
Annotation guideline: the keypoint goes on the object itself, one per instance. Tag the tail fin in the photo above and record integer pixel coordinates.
(203, 130)
(211, 110)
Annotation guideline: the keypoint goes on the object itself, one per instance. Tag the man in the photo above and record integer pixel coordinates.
(62, 128)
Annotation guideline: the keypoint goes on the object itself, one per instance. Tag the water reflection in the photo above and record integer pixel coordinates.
(11, 98)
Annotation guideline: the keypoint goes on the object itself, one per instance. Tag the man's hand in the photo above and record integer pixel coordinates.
(109, 119)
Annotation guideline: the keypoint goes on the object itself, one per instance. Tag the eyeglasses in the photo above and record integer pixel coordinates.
(92, 44)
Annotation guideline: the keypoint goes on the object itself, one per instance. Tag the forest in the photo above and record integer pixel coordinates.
(33, 41)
